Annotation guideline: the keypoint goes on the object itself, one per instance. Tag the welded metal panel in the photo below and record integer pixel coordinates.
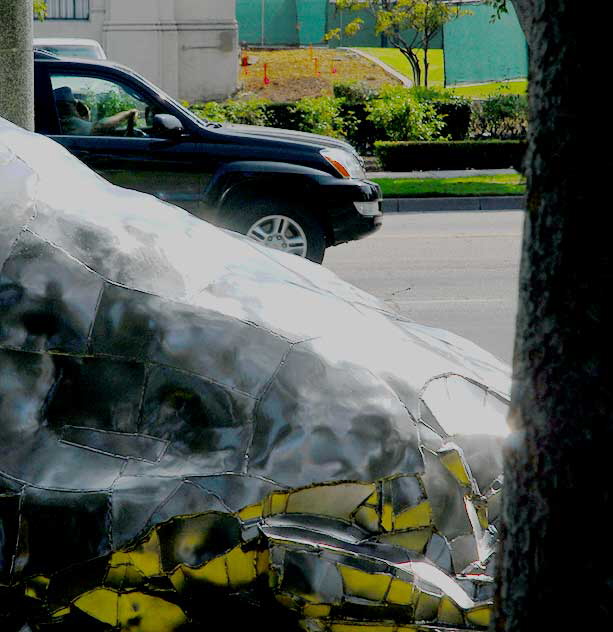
(193, 427)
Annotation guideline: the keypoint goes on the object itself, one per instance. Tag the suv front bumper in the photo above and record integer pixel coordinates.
(357, 211)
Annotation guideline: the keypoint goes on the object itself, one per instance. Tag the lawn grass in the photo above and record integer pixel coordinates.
(436, 75)
(451, 187)
(484, 90)
(394, 58)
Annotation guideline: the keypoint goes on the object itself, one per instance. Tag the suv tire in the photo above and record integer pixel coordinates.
(272, 224)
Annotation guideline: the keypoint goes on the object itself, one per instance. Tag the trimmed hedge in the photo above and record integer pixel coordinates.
(432, 155)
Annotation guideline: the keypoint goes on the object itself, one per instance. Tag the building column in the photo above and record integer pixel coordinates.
(16, 62)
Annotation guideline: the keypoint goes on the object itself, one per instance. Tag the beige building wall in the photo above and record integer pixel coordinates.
(187, 47)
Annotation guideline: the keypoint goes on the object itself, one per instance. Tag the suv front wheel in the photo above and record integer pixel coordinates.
(273, 225)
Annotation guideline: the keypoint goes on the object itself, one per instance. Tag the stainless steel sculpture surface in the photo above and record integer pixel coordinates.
(194, 428)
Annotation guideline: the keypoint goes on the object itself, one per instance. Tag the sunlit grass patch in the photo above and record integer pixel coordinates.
(513, 184)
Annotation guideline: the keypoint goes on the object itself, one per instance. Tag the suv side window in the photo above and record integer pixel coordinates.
(91, 106)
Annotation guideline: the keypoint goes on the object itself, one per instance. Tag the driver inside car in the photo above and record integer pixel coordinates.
(73, 123)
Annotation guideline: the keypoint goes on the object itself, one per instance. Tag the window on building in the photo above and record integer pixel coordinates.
(67, 9)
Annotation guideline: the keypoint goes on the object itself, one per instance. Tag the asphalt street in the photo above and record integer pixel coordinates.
(456, 270)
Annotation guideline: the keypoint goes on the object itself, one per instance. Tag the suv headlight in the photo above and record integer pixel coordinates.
(345, 163)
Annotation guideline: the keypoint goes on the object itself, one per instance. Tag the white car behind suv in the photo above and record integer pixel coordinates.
(71, 47)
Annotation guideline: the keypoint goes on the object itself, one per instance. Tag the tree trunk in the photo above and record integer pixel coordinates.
(413, 60)
(426, 66)
(16, 62)
(556, 557)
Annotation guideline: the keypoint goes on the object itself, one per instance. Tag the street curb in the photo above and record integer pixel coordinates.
(450, 204)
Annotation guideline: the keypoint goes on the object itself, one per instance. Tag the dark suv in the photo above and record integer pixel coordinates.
(293, 191)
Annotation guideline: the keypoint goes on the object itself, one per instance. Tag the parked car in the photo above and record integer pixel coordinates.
(194, 428)
(70, 47)
(293, 191)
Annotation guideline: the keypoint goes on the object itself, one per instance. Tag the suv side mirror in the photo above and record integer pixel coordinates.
(167, 126)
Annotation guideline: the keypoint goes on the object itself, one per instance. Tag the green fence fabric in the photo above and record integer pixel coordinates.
(278, 28)
(304, 22)
(477, 50)
(311, 20)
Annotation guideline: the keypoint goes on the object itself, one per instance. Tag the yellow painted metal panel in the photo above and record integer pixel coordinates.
(368, 518)
(401, 593)
(338, 501)
(241, 566)
(418, 516)
(317, 611)
(387, 517)
(480, 615)
(251, 512)
(371, 586)
(454, 462)
(146, 556)
(101, 604)
(448, 612)
(143, 613)
(214, 572)
(415, 540)
(36, 587)
(275, 503)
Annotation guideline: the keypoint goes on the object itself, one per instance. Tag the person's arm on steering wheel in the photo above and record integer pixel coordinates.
(111, 122)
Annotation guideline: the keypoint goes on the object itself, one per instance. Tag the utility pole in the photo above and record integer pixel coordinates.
(16, 62)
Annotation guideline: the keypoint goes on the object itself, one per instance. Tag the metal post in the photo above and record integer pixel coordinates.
(16, 62)
(263, 25)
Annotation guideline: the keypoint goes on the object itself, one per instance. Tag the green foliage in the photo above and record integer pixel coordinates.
(355, 112)
(40, 9)
(319, 115)
(243, 112)
(109, 103)
(445, 187)
(503, 116)
(499, 7)
(455, 111)
(393, 18)
(426, 94)
(398, 115)
(354, 91)
(424, 156)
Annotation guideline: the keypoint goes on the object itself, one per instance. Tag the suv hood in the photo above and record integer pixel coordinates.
(274, 133)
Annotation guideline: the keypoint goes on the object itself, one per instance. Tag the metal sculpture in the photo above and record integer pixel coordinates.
(194, 428)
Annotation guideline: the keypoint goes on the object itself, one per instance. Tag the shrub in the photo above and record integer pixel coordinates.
(319, 115)
(358, 130)
(423, 93)
(353, 92)
(397, 115)
(455, 111)
(282, 115)
(244, 112)
(503, 116)
(421, 156)
(456, 114)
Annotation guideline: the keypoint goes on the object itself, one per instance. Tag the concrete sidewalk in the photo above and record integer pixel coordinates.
(433, 204)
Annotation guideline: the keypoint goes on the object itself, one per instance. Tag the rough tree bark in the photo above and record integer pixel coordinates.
(16, 62)
(556, 562)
